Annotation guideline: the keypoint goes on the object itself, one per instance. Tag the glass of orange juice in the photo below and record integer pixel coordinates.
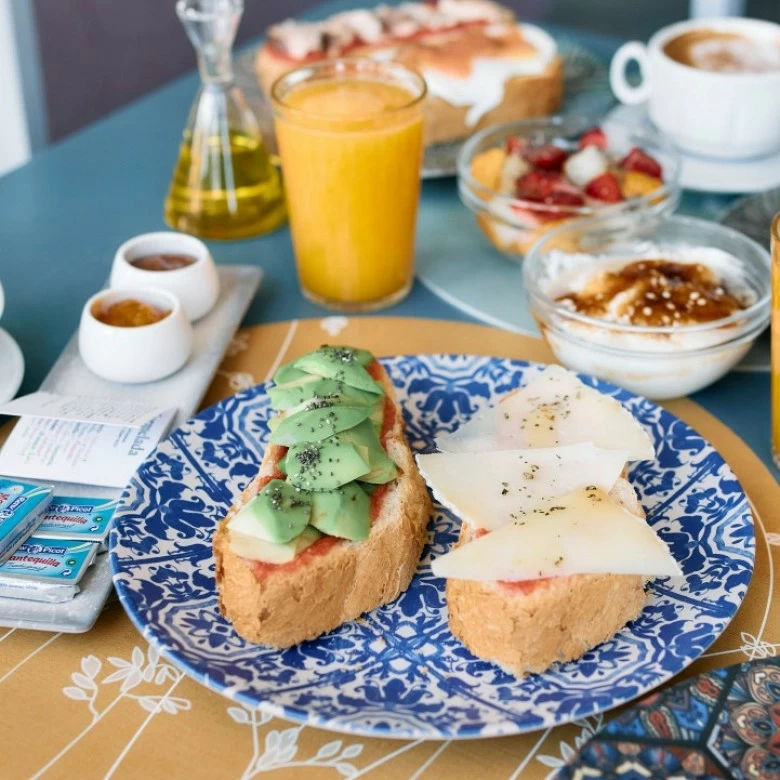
(349, 133)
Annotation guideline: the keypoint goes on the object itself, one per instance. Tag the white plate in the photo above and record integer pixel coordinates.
(708, 174)
(11, 366)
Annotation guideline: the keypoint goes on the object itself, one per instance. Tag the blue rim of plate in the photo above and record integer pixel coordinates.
(398, 671)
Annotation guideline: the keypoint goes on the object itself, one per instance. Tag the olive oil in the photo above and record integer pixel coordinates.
(224, 190)
(224, 185)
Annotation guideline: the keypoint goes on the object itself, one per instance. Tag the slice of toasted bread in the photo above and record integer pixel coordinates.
(286, 605)
(527, 630)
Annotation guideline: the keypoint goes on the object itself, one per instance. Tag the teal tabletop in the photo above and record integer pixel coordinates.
(63, 215)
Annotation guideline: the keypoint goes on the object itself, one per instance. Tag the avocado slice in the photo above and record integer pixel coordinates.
(290, 396)
(346, 354)
(288, 373)
(317, 424)
(365, 439)
(324, 466)
(344, 512)
(258, 550)
(330, 366)
(382, 470)
(277, 514)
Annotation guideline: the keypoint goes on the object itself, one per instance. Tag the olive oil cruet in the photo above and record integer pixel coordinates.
(224, 185)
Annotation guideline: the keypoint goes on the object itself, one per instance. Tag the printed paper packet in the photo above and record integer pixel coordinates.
(71, 517)
(21, 510)
(50, 561)
(50, 592)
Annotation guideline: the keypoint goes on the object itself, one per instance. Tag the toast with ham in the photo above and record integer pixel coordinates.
(480, 66)
(334, 580)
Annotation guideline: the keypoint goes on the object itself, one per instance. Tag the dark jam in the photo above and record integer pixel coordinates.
(325, 543)
(163, 262)
(655, 293)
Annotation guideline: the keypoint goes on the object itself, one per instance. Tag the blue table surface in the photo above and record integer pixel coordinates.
(63, 215)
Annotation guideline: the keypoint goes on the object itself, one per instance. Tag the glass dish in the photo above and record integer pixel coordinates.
(509, 222)
(664, 361)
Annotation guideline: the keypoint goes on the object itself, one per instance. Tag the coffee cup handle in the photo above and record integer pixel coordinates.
(625, 92)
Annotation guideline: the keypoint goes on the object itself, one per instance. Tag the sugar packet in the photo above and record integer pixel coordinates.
(74, 517)
(21, 510)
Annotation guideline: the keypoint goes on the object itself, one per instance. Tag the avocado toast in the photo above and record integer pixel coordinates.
(334, 523)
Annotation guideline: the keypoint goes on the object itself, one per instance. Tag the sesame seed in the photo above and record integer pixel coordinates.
(647, 311)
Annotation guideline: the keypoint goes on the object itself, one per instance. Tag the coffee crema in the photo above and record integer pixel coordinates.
(724, 52)
(162, 262)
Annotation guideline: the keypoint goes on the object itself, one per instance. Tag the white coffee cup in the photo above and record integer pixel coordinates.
(716, 114)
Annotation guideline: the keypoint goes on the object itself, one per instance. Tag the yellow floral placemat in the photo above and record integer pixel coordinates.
(103, 704)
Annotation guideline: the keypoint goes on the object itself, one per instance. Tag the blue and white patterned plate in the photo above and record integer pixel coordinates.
(398, 671)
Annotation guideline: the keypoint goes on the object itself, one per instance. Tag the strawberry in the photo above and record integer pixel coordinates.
(548, 157)
(565, 197)
(593, 137)
(515, 145)
(605, 187)
(550, 189)
(642, 162)
(536, 185)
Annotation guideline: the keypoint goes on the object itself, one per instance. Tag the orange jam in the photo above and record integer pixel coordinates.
(655, 292)
(129, 313)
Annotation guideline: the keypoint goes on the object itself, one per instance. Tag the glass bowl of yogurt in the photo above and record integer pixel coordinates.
(523, 179)
(662, 306)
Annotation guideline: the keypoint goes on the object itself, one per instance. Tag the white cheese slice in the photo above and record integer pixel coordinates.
(257, 549)
(584, 532)
(555, 409)
(490, 489)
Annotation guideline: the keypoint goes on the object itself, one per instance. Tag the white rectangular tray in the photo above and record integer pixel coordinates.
(185, 389)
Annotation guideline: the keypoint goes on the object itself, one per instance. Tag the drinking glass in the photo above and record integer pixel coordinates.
(350, 138)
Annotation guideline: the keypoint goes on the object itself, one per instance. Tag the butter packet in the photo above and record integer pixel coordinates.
(50, 560)
(21, 510)
(85, 519)
(50, 592)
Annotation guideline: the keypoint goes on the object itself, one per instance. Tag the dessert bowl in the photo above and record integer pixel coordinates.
(142, 353)
(513, 222)
(195, 284)
(653, 346)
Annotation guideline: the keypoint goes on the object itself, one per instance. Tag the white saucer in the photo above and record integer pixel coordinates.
(12, 361)
(707, 174)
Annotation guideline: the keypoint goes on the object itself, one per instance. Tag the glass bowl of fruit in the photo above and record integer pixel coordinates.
(526, 178)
